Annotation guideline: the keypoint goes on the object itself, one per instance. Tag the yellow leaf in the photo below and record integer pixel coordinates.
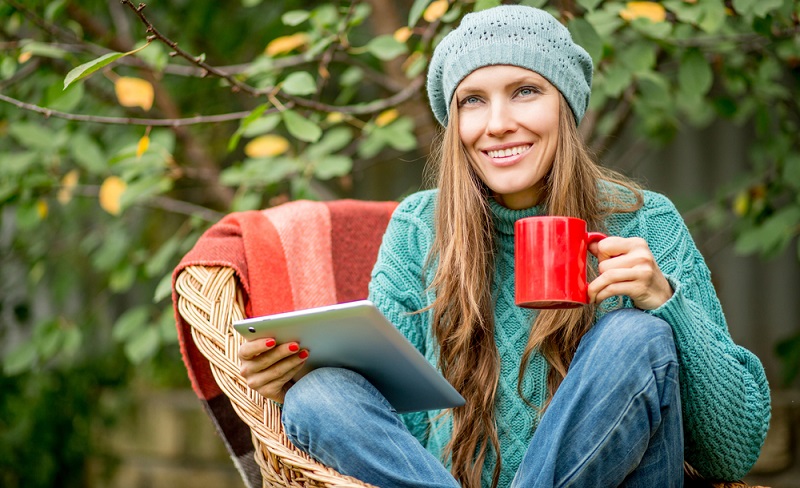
(402, 34)
(386, 117)
(741, 204)
(266, 146)
(68, 183)
(435, 10)
(41, 208)
(141, 148)
(24, 57)
(650, 10)
(285, 44)
(110, 194)
(335, 117)
(134, 92)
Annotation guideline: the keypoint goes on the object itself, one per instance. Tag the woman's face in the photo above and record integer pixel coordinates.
(508, 123)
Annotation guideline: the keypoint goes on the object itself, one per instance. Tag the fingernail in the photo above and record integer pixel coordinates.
(303, 354)
(293, 347)
(270, 342)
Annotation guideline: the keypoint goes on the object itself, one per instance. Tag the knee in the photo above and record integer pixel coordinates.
(320, 398)
(622, 332)
(315, 391)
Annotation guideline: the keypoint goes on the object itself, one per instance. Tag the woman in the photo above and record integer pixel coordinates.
(619, 392)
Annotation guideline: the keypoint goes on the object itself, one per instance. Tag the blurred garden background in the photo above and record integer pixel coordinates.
(127, 129)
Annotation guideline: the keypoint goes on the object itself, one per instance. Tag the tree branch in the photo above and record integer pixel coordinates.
(407, 93)
(199, 119)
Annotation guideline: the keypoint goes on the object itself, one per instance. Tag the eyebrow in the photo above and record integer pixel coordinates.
(518, 80)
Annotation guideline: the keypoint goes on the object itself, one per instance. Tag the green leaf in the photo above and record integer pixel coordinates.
(791, 170)
(33, 136)
(143, 345)
(64, 100)
(243, 125)
(43, 50)
(386, 47)
(713, 16)
(484, 4)
(166, 326)
(20, 359)
(87, 69)
(131, 323)
(331, 166)
(159, 261)
(764, 7)
(617, 79)
(156, 55)
(351, 76)
(334, 140)
(87, 153)
(17, 164)
(772, 236)
(694, 73)
(589, 4)
(301, 127)
(163, 289)
(417, 9)
(295, 17)
(639, 57)
(8, 66)
(262, 125)
(299, 83)
(584, 34)
(244, 201)
(745, 6)
(400, 134)
(122, 278)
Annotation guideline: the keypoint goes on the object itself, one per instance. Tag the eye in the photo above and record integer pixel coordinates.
(527, 91)
(469, 100)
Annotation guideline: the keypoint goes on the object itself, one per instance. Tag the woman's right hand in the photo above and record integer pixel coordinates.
(269, 367)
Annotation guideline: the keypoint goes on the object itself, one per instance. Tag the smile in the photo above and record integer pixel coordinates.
(508, 152)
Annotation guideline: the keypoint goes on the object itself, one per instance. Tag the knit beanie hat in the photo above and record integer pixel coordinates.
(514, 35)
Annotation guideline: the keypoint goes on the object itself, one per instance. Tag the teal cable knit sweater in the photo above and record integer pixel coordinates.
(724, 392)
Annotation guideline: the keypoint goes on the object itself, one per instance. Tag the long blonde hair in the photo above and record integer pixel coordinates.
(463, 310)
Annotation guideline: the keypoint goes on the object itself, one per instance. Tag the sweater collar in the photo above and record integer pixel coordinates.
(504, 218)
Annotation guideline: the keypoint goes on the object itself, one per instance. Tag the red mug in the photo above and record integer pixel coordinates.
(550, 262)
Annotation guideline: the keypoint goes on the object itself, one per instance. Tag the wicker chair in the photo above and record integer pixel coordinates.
(208, 298)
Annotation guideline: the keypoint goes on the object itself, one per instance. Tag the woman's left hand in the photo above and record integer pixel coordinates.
(627, 267)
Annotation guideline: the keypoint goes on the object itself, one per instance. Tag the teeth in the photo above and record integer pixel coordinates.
(511, 151)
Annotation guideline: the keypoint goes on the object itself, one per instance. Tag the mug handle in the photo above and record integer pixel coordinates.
(594, 237)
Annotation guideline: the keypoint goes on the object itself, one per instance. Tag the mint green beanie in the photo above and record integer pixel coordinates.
(510, 35)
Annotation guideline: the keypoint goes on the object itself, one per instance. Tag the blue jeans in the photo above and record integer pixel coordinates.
(614, 421)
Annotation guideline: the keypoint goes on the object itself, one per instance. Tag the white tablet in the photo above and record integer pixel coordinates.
(357, 336)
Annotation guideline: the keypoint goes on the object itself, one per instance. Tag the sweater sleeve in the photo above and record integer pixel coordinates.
(397, 285)
(724, 392)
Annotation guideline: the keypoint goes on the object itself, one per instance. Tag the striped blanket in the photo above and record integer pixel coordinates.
(294, 256)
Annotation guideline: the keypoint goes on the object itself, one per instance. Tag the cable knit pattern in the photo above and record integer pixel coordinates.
(725, 396)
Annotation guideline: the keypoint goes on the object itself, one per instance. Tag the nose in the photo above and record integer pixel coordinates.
(501, 120)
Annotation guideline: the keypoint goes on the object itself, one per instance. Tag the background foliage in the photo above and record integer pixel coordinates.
(127, 130)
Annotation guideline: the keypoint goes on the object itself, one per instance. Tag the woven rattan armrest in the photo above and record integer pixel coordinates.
(209, 300)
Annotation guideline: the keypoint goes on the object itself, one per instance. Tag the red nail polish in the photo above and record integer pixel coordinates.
(293, 347)
(270, 342)
(303, 354)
